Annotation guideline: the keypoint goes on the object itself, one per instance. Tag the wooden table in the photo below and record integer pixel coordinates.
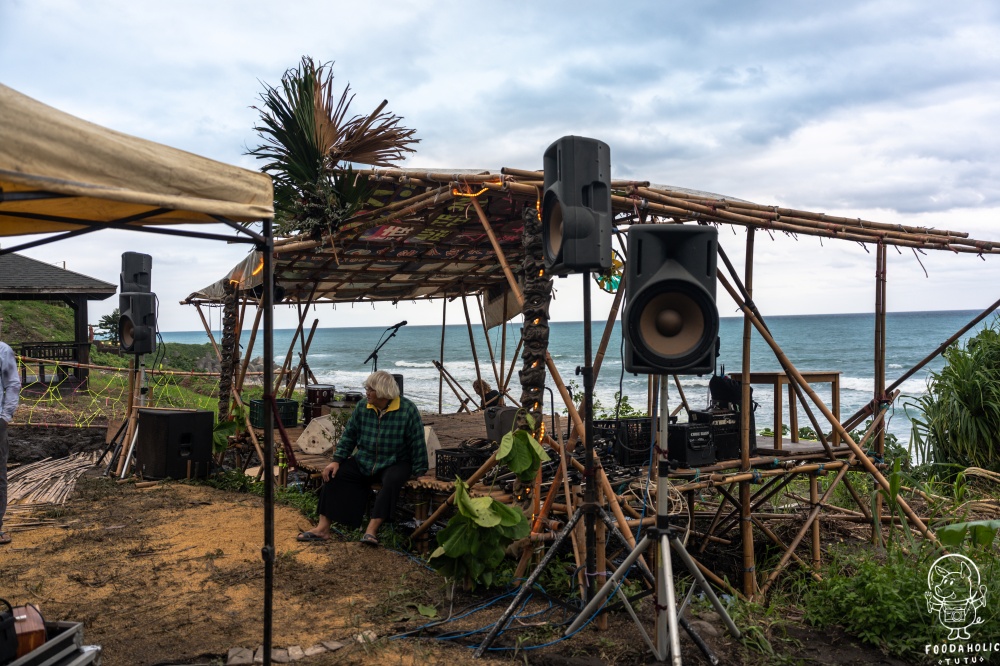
(778, 380)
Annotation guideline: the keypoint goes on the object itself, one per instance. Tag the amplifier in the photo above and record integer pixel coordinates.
(690, 444)
(725, 424)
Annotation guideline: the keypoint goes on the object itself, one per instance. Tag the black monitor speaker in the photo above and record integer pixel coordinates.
(499, 421)
(174, 444)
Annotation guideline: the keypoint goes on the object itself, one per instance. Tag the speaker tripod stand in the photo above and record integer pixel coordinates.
(663, 537)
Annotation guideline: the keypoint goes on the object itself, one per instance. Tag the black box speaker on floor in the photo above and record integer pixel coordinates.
(170, 443)
(499, 421)
(690, 444)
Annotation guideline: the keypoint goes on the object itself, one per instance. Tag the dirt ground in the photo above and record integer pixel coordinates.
(173, 575)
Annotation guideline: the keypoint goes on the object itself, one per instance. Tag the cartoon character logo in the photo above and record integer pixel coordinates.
(954, 594)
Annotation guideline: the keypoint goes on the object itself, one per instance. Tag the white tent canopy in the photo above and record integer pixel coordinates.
(60, 173)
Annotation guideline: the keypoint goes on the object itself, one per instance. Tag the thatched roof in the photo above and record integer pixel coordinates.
(421, 236)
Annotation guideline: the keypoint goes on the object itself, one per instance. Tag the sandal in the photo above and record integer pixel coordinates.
(370, 540)
(309, 537)
(4, 538)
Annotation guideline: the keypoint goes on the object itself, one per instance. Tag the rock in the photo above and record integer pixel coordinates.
(295, 652)
(332, 646)
(366, 636)
(704, 629)
(710, 616)
(280, 656)
(239, 657)
(314, 650)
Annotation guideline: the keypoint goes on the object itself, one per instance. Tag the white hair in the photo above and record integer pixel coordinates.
(383, 384)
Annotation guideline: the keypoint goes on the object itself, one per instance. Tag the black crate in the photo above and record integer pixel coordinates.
(288, 411)
(461, 462)
(631, 439)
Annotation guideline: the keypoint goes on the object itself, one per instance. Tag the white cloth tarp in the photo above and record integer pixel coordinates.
(106, 176)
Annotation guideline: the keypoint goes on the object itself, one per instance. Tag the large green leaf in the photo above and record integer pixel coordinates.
(479, 509)
(981, 532)
(458, 537)
(506, 442)
(509, 515)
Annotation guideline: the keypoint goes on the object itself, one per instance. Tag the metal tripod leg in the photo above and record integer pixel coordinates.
(526, 586)
(709, 592)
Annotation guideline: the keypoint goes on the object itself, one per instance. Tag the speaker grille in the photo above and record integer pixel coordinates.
(672, 324)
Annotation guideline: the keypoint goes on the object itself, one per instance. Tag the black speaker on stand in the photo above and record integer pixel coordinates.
(671, 323)
(174, 444)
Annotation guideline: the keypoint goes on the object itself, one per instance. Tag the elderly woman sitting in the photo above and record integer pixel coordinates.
(383, 442)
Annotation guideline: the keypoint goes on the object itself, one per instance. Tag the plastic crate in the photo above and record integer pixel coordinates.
(288, 411)
(461, 462)
(631, 439)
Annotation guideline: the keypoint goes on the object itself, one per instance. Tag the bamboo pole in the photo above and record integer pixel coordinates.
(444, 325)
(489, 345)
(472, 345)
(880, 309)
(814, 501)
(746, 527)
(304, 353)
(249, 352)
(502, 386)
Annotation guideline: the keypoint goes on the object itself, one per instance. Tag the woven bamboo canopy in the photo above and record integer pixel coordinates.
(420, 236)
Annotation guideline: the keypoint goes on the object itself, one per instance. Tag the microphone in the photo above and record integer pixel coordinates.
(399, 325)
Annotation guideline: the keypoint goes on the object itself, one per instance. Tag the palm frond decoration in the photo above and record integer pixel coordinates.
(309, 143)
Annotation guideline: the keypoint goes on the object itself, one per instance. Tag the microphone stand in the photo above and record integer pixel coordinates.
(379, 345)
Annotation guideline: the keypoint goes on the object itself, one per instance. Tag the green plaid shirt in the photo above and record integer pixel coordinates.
(379, 440)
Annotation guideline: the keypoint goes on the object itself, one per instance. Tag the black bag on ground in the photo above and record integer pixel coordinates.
(8, 635)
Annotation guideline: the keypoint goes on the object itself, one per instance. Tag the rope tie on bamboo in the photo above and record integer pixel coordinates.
(659, 451)
(750, 569)
(756, 476)
(820, 468)
(697, 474)
(776, 463)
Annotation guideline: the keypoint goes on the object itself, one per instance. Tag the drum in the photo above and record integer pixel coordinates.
(319, 394)
(353, 398)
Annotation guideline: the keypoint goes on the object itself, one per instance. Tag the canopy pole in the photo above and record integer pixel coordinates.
(746, 526)
(267, 552)
(472, 345)
(489, 343)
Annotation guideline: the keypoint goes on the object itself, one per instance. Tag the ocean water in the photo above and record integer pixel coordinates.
(841, 342)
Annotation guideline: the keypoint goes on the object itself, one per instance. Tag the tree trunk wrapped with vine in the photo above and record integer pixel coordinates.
(537, 291)
(227, 349)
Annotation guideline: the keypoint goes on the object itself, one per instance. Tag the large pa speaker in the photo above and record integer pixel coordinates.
(399, 383)
(137, 323)
(671, 323)
(499, 421)
(576, 206)
(169, 440)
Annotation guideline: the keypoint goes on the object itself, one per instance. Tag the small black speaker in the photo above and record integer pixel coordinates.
(168, 441)
(399, 383)
(690, 444)
(671, 323)
(499, 421)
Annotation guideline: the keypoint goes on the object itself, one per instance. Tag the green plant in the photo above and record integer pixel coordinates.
(521, 452)
(307, 136)
(959, 416)
(472, 545)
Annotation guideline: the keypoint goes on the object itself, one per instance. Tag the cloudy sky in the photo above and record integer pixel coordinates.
(886, 110)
